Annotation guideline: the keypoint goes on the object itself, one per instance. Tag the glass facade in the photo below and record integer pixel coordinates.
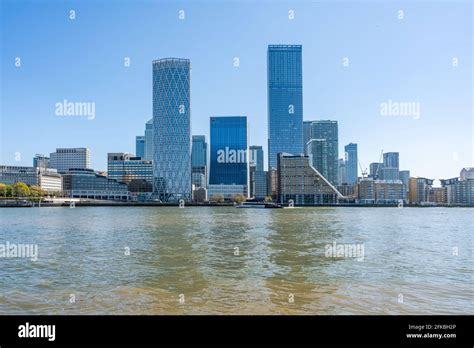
(172, 129)
(285, 101)
(229, 163)
(328, 131)
(351, 163)
(148, 152)
(256, 157)
(317, 150)
(199, 161)
(140, 146)
(124, 168)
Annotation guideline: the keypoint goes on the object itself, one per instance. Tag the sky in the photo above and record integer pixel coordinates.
(357, 55)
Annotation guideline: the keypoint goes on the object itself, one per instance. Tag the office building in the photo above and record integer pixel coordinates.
(129, 169)
(301, 183)
(258, 177)
(374, 170)
(65, 158)
(172, 129)
(229, 165)
(46, 178)
(404, 176)
(41, 161)
(328, 131)
(256, 157)
(140, 146)
(148, 152)
(285, 101)
(199, 161)
(272, 183)
(372, 191)
(87, 184)
(351, 163)
(342, 172)
(317, 150)
(390, 167)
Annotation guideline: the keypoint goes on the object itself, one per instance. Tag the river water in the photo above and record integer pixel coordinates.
(222, 260)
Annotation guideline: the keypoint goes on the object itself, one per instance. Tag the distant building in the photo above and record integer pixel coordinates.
(228, 191)
(65, 158)
(374, 169)
(229, 165)
(199, 161)
(460, 191)
(172, 129)
(272, 183)
(306, 134)
(85, 183)
(285, 101)
(347, 190)
(466, 173)
(351, 162)
(148, 152)
(404, 177)
(258, 180)
(342, 172)
(317, 150)
(328, 131)
(41, 161)
(303, 184)
(124, 167)
(419, 188)
(438, 195)
(200, 195)
(47, 179)
(140, 146)
(390, 167)
(381, 191)
(256, 157)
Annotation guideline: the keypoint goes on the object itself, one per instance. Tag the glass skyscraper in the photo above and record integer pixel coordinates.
(390, 167)
(148, 152)
(171, 129)
(351, 163)
(199, 161)
(285, 101)
(140, 146)
(256, 157)
(229, 150)
(328, 131)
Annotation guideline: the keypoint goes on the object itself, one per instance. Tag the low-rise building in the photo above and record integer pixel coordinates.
(228, 191)
(47, 179)
(301, 183)
(85, 183)
(419, 189)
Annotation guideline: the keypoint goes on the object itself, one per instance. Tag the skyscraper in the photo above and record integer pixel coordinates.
(172, 129)
(317, 150)
(229, 151)
(285, 101)
(148, 153)
(140, 146)
(199, 161)
(328, 131)
(256, 157)
(306, 134)
(351, 163)
(390, 167)
(66, 158)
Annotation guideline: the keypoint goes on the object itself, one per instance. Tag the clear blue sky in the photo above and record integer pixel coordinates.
(407, 60)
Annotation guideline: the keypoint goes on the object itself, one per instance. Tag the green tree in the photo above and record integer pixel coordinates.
(20, 189)
(3, 190)
(37, 191)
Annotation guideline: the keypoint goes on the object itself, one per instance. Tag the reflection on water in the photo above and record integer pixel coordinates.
(224, 260)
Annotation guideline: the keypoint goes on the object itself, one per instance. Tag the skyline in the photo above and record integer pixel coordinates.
(449, 141)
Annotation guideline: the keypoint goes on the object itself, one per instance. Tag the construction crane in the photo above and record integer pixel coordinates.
(363, 171)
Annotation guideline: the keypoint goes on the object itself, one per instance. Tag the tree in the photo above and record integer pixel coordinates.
(268, 199)
(37, 191)
(3, 189)
(20, 189)
(238, 198)
(218, 198)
